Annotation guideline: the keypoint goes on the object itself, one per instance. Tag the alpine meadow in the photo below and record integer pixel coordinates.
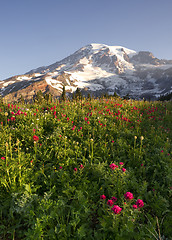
(86, 169)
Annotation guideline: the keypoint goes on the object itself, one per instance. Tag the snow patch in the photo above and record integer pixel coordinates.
(7, 83)
(21, 78)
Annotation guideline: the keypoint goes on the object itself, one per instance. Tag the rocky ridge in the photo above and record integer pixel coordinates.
(96, 69)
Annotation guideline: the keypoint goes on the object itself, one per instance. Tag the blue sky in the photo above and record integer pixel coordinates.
(36, 33)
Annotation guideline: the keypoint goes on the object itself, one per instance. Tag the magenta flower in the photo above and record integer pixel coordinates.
(113, 166)
(102, 197)
(75, 169)
(128, 195)
(35, 138)
(140, 203)
(3, 158)
(81, 166)
(110, 202)
(123, 169)
(60, 167)
(121, 163)
(116, 209)
(134, 206)
(114, 199)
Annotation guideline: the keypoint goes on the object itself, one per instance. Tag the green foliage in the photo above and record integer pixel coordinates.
(55, 163)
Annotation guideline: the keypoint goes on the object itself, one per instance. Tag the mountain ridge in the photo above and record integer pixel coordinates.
(99, 68)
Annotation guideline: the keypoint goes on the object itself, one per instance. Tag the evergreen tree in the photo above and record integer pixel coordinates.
(39, 96)
(126, 96)
(21, 99)
(106, 95)
(73, 96)
(48, 97)
(78, 94)
(115, 95)
(63, 96)
(89, 96)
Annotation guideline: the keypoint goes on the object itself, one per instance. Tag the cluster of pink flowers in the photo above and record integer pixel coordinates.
(74, 127)
(128, 196)
(113, 166)
(139, 203)
(116, 209)
(12, 119)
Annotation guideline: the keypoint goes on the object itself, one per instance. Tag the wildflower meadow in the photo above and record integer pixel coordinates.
(86, 169)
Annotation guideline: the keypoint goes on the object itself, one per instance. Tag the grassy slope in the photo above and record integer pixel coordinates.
(39, 200)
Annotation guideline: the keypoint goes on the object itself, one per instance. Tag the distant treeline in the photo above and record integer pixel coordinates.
(166, 97)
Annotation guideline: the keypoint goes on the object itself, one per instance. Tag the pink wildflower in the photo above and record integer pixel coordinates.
(134, 206)
(113, 166)
(114, 199)
(123, 169)
(140, 203)
(110, 202)
(35, 138)
(128, 195)
(102, 197)
(81, 166)
(116, 209)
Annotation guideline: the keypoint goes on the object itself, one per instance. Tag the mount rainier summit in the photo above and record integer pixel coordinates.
(96, 69)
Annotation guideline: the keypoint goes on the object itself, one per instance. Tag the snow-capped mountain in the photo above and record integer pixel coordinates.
(97, 68)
